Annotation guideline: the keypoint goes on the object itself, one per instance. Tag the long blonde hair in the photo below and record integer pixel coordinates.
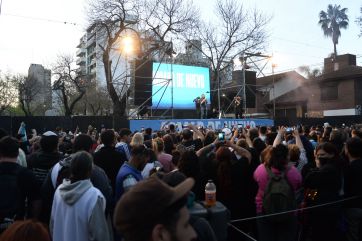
(137, 139)
(158, 145)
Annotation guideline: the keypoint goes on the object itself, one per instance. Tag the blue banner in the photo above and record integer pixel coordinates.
(216, 124)
(188, 82)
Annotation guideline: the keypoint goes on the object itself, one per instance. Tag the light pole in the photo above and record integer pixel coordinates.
(273, 66)
(218, 94)
(127, 49)
(244, 82)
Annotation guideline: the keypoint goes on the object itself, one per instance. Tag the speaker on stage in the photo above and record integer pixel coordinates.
(143, 82)
(250, 81)
(250, 85)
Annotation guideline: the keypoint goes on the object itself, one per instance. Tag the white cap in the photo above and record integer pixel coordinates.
(49, 133)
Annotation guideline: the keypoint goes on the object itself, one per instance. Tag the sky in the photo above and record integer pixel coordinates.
(37, 31)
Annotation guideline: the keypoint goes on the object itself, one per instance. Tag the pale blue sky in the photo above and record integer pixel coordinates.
(295, 37)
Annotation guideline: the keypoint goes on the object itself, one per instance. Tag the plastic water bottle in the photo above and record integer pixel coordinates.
(210, 194)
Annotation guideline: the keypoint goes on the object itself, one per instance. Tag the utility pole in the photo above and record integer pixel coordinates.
(218, 93)
(244, 83)
(273, 66)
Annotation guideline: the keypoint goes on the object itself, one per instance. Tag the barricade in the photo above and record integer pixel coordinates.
(218, 216)
(281, 213)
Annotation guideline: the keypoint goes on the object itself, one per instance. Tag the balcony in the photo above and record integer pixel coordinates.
(81, 71)
(81, 52)
(91, 41)
(91, 53)
(92, 62)
(80, 61)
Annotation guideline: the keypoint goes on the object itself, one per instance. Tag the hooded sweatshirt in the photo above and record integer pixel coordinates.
(78, 213)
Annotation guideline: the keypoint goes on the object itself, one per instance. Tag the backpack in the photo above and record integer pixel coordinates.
(278, 196)
(10, 194)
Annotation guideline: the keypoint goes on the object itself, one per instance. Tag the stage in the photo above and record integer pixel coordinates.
(216, 124)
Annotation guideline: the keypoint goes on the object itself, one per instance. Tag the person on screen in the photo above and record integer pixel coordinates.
(203, 106)
(197, 106)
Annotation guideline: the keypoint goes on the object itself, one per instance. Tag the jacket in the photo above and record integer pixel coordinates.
(125, 171)
(78, 213)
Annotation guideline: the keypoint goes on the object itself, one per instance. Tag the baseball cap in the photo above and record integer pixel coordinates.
(144, 205)
(49, 133)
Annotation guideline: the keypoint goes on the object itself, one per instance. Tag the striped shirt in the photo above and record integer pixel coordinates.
(123, 148)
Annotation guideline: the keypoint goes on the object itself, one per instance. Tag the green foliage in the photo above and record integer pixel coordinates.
(359, 22)
(332, 22)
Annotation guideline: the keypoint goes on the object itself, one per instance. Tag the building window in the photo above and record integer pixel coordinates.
(329, 91)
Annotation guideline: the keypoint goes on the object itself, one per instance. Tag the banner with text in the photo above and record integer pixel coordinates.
(216, 124)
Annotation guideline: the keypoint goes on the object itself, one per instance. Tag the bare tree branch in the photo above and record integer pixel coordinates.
(67, 81)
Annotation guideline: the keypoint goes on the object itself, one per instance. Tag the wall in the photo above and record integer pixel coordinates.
(44, 123)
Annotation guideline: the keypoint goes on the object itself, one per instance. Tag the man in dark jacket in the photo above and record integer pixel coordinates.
(62, 170)
(108, 158)
(19, 191)
(41, 162)
(353, 187)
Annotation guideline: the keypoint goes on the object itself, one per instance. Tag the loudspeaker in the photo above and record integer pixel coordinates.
(143, 82)
(250, 81)
(250, 85)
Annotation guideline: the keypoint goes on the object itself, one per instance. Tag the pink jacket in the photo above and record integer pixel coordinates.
(261, 177)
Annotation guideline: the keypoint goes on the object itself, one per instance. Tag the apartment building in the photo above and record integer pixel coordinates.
(42, 96)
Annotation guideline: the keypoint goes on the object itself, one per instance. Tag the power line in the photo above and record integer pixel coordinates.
(40, 19)
(301, 43)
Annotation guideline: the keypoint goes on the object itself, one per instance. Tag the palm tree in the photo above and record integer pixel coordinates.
(332, 21)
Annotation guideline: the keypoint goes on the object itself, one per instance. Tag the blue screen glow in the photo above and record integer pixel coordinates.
(188, 83)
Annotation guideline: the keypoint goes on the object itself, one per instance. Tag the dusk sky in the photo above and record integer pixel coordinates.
(34, 31)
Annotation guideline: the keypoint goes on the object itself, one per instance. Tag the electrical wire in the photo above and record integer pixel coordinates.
(39, 19)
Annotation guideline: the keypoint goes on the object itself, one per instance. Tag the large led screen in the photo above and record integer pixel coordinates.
(188, 82)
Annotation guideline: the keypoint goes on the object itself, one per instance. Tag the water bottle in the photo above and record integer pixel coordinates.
(210, 194)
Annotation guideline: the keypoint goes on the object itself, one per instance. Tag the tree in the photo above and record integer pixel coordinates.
(310, 73)
(155, 19)
(332, 22)
(68, 84)
(28, 89)
(8, 92)
(359, 22)
(233, 31)
(89, 105)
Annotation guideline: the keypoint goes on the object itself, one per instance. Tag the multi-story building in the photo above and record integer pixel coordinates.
(89, 55)
(193, 55)
(42, 96)
(333, 95)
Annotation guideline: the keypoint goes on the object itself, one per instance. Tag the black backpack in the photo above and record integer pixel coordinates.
(10, 194)
(279, 196)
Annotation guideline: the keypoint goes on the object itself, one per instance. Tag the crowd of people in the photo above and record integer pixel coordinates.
(299, 183)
